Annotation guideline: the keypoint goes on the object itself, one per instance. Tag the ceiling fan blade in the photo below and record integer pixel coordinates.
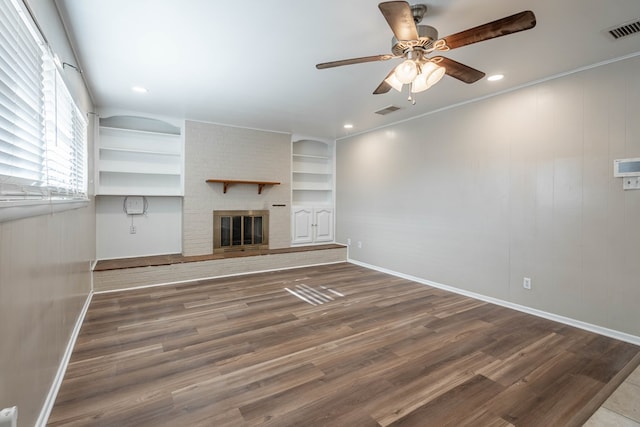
(502, 27)
(459, 71)
(400, 18)
(384, 87)
(354, 61)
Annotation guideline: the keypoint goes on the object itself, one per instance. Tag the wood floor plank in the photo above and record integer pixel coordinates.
(443, 409)
(240, 393)
(242, 351)
(522, 362)
(335, 407)
(408, 397)
(202, 417)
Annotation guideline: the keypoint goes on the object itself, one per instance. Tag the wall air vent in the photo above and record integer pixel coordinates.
(627, 29)
(387, 110)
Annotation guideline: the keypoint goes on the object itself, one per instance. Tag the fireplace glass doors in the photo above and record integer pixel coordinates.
(240, 230)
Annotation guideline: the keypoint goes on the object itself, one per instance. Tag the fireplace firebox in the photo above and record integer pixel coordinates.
(240, 230)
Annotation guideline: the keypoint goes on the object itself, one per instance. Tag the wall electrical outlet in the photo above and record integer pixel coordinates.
(631, 183)
(132, 229)
(526, 283)
(359, 245)
(349, 242)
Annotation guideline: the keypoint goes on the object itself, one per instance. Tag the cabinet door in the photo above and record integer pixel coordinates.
(323, 224)
(302, 231)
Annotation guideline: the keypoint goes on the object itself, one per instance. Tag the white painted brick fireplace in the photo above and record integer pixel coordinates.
(225, 152)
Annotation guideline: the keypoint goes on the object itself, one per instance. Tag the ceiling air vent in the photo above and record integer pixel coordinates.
(628, 29)
(387, 110)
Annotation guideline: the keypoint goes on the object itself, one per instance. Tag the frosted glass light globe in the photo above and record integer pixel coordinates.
(430, 75)
(407, 71)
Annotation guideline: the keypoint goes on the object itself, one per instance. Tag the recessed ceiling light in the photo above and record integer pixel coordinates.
(139, 89)
(348, 126)
(495, 77)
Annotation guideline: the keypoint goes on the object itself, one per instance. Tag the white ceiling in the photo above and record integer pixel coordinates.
(252, 63)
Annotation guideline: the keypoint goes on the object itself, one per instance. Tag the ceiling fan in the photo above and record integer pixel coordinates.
(414, 43)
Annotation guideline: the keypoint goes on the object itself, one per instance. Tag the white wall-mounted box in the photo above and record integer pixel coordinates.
(134, 205)
(626, 167)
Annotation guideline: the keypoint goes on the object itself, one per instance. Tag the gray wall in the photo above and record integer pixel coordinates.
(44, 282)
(479, 196)
(44, 275)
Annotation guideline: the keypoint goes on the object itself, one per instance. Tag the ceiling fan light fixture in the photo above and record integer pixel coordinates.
(420, 84)
(435, 75)
(407, 71)
(430, 75)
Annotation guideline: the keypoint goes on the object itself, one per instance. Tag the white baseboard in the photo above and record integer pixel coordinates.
(611, 333)
(57, 381)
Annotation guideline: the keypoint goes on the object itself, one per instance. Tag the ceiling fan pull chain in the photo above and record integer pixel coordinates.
(410, 98)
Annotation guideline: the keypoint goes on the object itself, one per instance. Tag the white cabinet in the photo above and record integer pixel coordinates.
(323, 224)
(141, 162)
(312, 225)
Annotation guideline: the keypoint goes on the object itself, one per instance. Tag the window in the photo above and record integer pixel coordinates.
(65, 138)
(43, 135)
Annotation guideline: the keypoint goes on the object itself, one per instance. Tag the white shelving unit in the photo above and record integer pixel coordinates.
(312, 169)
(312, 191)
(139, 161)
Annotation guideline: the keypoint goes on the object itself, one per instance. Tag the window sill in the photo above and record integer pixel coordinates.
(11, 210)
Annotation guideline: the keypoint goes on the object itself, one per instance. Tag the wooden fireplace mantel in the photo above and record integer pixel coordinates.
(227, 182)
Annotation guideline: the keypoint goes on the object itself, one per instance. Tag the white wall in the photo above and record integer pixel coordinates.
(158, 232)
(481, 195)
(225, 152)
(45, 273)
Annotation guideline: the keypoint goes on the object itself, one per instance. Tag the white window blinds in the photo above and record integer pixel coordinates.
(65, 136)
(42, 133)
(21, 105)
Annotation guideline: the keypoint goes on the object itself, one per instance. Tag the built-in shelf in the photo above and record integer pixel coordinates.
(227, 182)
(129, 150)
(139, 156)
(139, 131)
(310, 156)
(313, 173)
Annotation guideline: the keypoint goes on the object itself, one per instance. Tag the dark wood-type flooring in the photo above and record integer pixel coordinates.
(243, 351)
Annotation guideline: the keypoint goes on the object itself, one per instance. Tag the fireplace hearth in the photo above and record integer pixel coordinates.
(238, 230)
